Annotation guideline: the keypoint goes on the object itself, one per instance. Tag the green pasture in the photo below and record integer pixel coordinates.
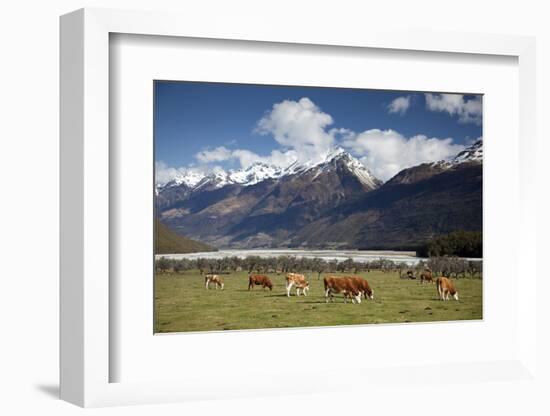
(183, 304)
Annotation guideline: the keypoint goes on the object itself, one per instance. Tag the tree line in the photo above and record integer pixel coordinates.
(458, 243)
(448, 265)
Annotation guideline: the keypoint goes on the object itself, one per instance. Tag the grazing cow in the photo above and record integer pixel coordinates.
(363, 287)
(213, 278)
(345, 285)
(259, 280)
(410, 275)
(426, 276)
(446, 287)
(298, 280)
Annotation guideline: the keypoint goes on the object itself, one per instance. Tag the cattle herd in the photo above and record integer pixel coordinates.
(353, 288)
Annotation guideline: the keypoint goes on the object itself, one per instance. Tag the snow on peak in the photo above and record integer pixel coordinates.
(473, 153)
(260, 171)
(188, 177)
(334, 154)
(355, 166)
(255, 173)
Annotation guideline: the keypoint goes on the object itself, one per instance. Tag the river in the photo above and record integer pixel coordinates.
(408, 257)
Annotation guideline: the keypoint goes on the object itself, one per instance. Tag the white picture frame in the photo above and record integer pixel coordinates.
(85, 352)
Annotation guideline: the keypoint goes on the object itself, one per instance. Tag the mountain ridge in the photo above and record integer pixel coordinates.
(259, 171)
(334, 203)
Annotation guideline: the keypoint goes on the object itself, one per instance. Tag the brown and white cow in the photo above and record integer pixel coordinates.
(426, 276)
(363, 287)
(446, 287)
(345, 285)
(259, 280)
(298, 280)
(213, 278)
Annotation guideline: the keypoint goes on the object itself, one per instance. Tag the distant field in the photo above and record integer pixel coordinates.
(183, 304)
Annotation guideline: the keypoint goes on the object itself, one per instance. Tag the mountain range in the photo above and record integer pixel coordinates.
(333, 203)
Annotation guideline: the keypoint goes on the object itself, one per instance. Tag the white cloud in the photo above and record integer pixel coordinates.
(245, 157)
(164, 173)
(299, 126)
(219, 154)
(386, 152)
(400, 105)
(468, 111)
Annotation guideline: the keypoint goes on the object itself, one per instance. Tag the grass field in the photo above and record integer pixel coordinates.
(183, 304)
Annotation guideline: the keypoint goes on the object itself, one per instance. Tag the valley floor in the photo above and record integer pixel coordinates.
(183, 304)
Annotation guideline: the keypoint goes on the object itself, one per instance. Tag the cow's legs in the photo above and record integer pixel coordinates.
(288, 288)
(297, 291)
(206, 284)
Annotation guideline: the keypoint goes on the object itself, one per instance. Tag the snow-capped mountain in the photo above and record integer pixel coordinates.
(187, 178)
(332, 202)
(260, 171)
(251, 175)
(340, 158)
(472, 154)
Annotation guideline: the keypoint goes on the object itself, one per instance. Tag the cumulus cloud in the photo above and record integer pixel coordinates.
(468, 111)
(246, 158)
(400, 105)
(300, 126)
(164, 173)
(386, 152)
(219, 154)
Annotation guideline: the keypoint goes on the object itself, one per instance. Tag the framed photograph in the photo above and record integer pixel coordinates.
(272, 194)
(235, 210)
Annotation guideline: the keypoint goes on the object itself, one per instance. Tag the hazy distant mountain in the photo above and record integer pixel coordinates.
(334, 203)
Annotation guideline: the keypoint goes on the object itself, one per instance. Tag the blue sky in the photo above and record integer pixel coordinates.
(203, 125)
